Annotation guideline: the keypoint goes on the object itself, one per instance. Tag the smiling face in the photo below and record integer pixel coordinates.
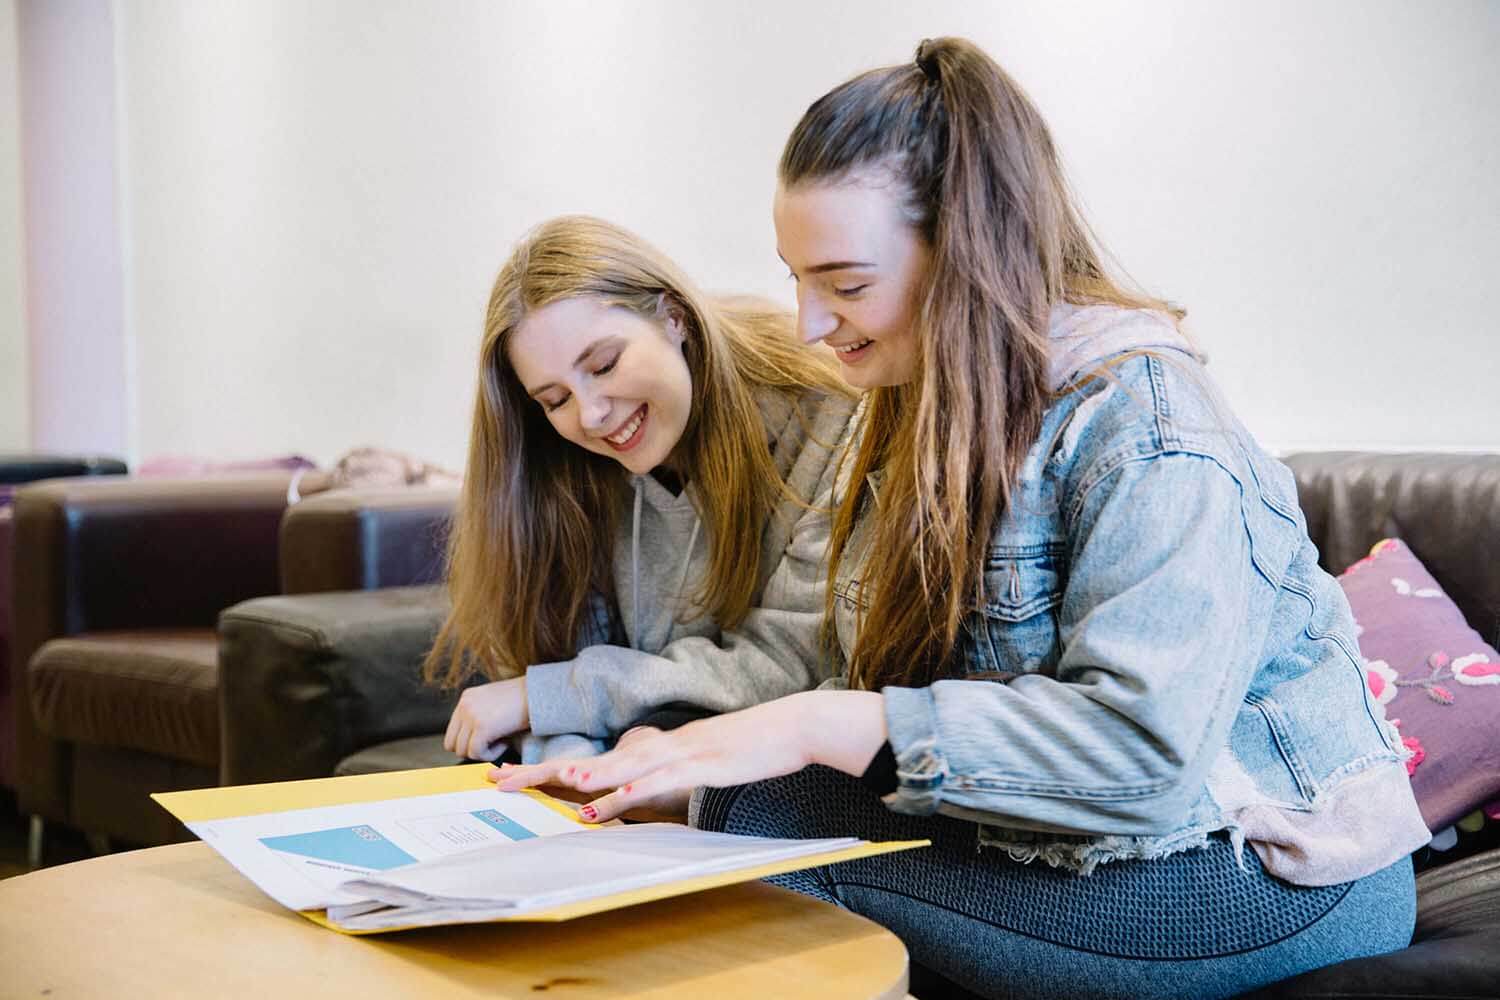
(859, 267)
(611, 381)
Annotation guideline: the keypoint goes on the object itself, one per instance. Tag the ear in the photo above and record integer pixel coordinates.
(673, 316)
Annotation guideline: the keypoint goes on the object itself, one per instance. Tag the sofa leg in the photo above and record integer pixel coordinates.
(34, 838)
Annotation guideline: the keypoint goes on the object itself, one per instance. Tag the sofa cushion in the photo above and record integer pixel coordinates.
(1438, 679)
(318, 677)
(154, 690)
(1452, 956)
(399, 755)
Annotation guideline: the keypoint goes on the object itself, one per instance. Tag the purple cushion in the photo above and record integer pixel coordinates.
(1439, 681)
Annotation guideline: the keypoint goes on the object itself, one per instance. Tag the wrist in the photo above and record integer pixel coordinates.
(845, 729)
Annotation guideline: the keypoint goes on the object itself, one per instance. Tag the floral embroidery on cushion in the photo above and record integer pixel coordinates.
(1375, 550)
(1381, 679)
(1414, 746)
(1404, 589)
(1476, 668)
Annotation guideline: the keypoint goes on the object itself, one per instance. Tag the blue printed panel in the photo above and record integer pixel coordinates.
(503, 823)
(360, 846)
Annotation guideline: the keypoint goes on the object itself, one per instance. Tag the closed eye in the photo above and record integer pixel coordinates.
(851, 291)
(606, 369)
(553, 404)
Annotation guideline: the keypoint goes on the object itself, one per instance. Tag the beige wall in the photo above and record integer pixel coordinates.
(15, 434)
(318, 194)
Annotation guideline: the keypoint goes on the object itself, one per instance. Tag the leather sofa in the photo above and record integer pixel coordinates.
(16, 470)
(333, 676)
(116, 665)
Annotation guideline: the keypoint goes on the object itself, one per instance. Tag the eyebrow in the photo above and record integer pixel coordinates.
(832, 265)
(582, 357)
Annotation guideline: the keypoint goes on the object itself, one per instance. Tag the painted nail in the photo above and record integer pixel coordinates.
(584, 776)
(589, 813)
(569, 772)
(625, 789)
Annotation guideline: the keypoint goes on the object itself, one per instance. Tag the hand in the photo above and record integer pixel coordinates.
(669, 808)
(842, 729)
(484, 714)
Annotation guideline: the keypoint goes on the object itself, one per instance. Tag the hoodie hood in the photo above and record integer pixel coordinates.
(1083, 336)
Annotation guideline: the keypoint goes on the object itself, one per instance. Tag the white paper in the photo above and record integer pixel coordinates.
(523, 877)
(299, 858)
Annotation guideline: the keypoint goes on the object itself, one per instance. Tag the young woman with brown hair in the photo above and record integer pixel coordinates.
(640, 527)
(1090, 652)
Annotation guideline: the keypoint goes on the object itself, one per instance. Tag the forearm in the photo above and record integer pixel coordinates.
(605, 689)
(844, 729)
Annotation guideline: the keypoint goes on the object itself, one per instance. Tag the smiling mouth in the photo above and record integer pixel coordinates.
(845, 350)
(629, 434)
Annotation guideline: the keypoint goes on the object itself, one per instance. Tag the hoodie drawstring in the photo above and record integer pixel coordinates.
(635, 565)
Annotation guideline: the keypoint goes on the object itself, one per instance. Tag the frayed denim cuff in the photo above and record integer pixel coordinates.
(921, 768)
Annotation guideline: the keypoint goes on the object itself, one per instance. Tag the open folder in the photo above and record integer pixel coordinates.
(380, 852)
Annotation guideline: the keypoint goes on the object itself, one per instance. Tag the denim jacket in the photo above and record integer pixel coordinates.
(1160, 656)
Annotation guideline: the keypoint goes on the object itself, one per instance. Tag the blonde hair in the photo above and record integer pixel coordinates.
(533, 531)
(983, 188)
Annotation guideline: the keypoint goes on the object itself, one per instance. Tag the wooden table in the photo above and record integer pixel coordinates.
(179, 921)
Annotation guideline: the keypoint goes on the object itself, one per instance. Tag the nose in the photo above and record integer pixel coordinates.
(593, 410)
(814, 320)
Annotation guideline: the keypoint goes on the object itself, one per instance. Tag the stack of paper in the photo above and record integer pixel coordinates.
(416, 848)
(515, 879)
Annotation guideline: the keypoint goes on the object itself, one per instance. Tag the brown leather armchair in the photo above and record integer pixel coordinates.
(15, 471)
(119, 589)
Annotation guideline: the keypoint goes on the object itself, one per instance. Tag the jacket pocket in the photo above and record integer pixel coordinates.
(1016, 629)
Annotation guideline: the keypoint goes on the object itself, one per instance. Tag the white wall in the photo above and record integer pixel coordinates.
(15, 422)
(74, 236)
(318, 194)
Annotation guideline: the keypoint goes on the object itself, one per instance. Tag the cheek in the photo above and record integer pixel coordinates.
(560, 423)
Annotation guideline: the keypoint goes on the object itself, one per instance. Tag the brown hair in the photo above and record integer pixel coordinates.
(982, 186)
(535, 521)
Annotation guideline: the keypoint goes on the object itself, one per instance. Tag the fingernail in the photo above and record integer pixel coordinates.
(589, 813)
(584, 776)
(569, 772)
(626, 788)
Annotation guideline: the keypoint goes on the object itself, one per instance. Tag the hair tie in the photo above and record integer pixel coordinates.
(927, 59)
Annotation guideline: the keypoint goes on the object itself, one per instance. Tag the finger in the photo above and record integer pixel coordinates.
(450, 735)
(513, 779)
(627, 764)
(658, 784)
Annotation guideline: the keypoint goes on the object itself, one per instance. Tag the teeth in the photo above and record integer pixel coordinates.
(852, 347)
(628, 430)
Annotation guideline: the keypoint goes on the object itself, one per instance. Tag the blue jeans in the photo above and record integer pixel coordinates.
(1189, 925)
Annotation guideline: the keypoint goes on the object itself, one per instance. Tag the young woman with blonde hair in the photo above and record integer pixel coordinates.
(1090, 652)
(644, 513)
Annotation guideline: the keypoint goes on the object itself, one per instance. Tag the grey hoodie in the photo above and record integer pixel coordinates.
(660, 556)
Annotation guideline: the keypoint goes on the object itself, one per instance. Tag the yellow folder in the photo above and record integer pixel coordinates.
(207, 804)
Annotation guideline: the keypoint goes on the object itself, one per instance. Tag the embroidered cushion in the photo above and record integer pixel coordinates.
(1437, 678)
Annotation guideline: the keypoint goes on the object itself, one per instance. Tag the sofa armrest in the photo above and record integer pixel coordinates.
(306, 680)
(365, 538)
